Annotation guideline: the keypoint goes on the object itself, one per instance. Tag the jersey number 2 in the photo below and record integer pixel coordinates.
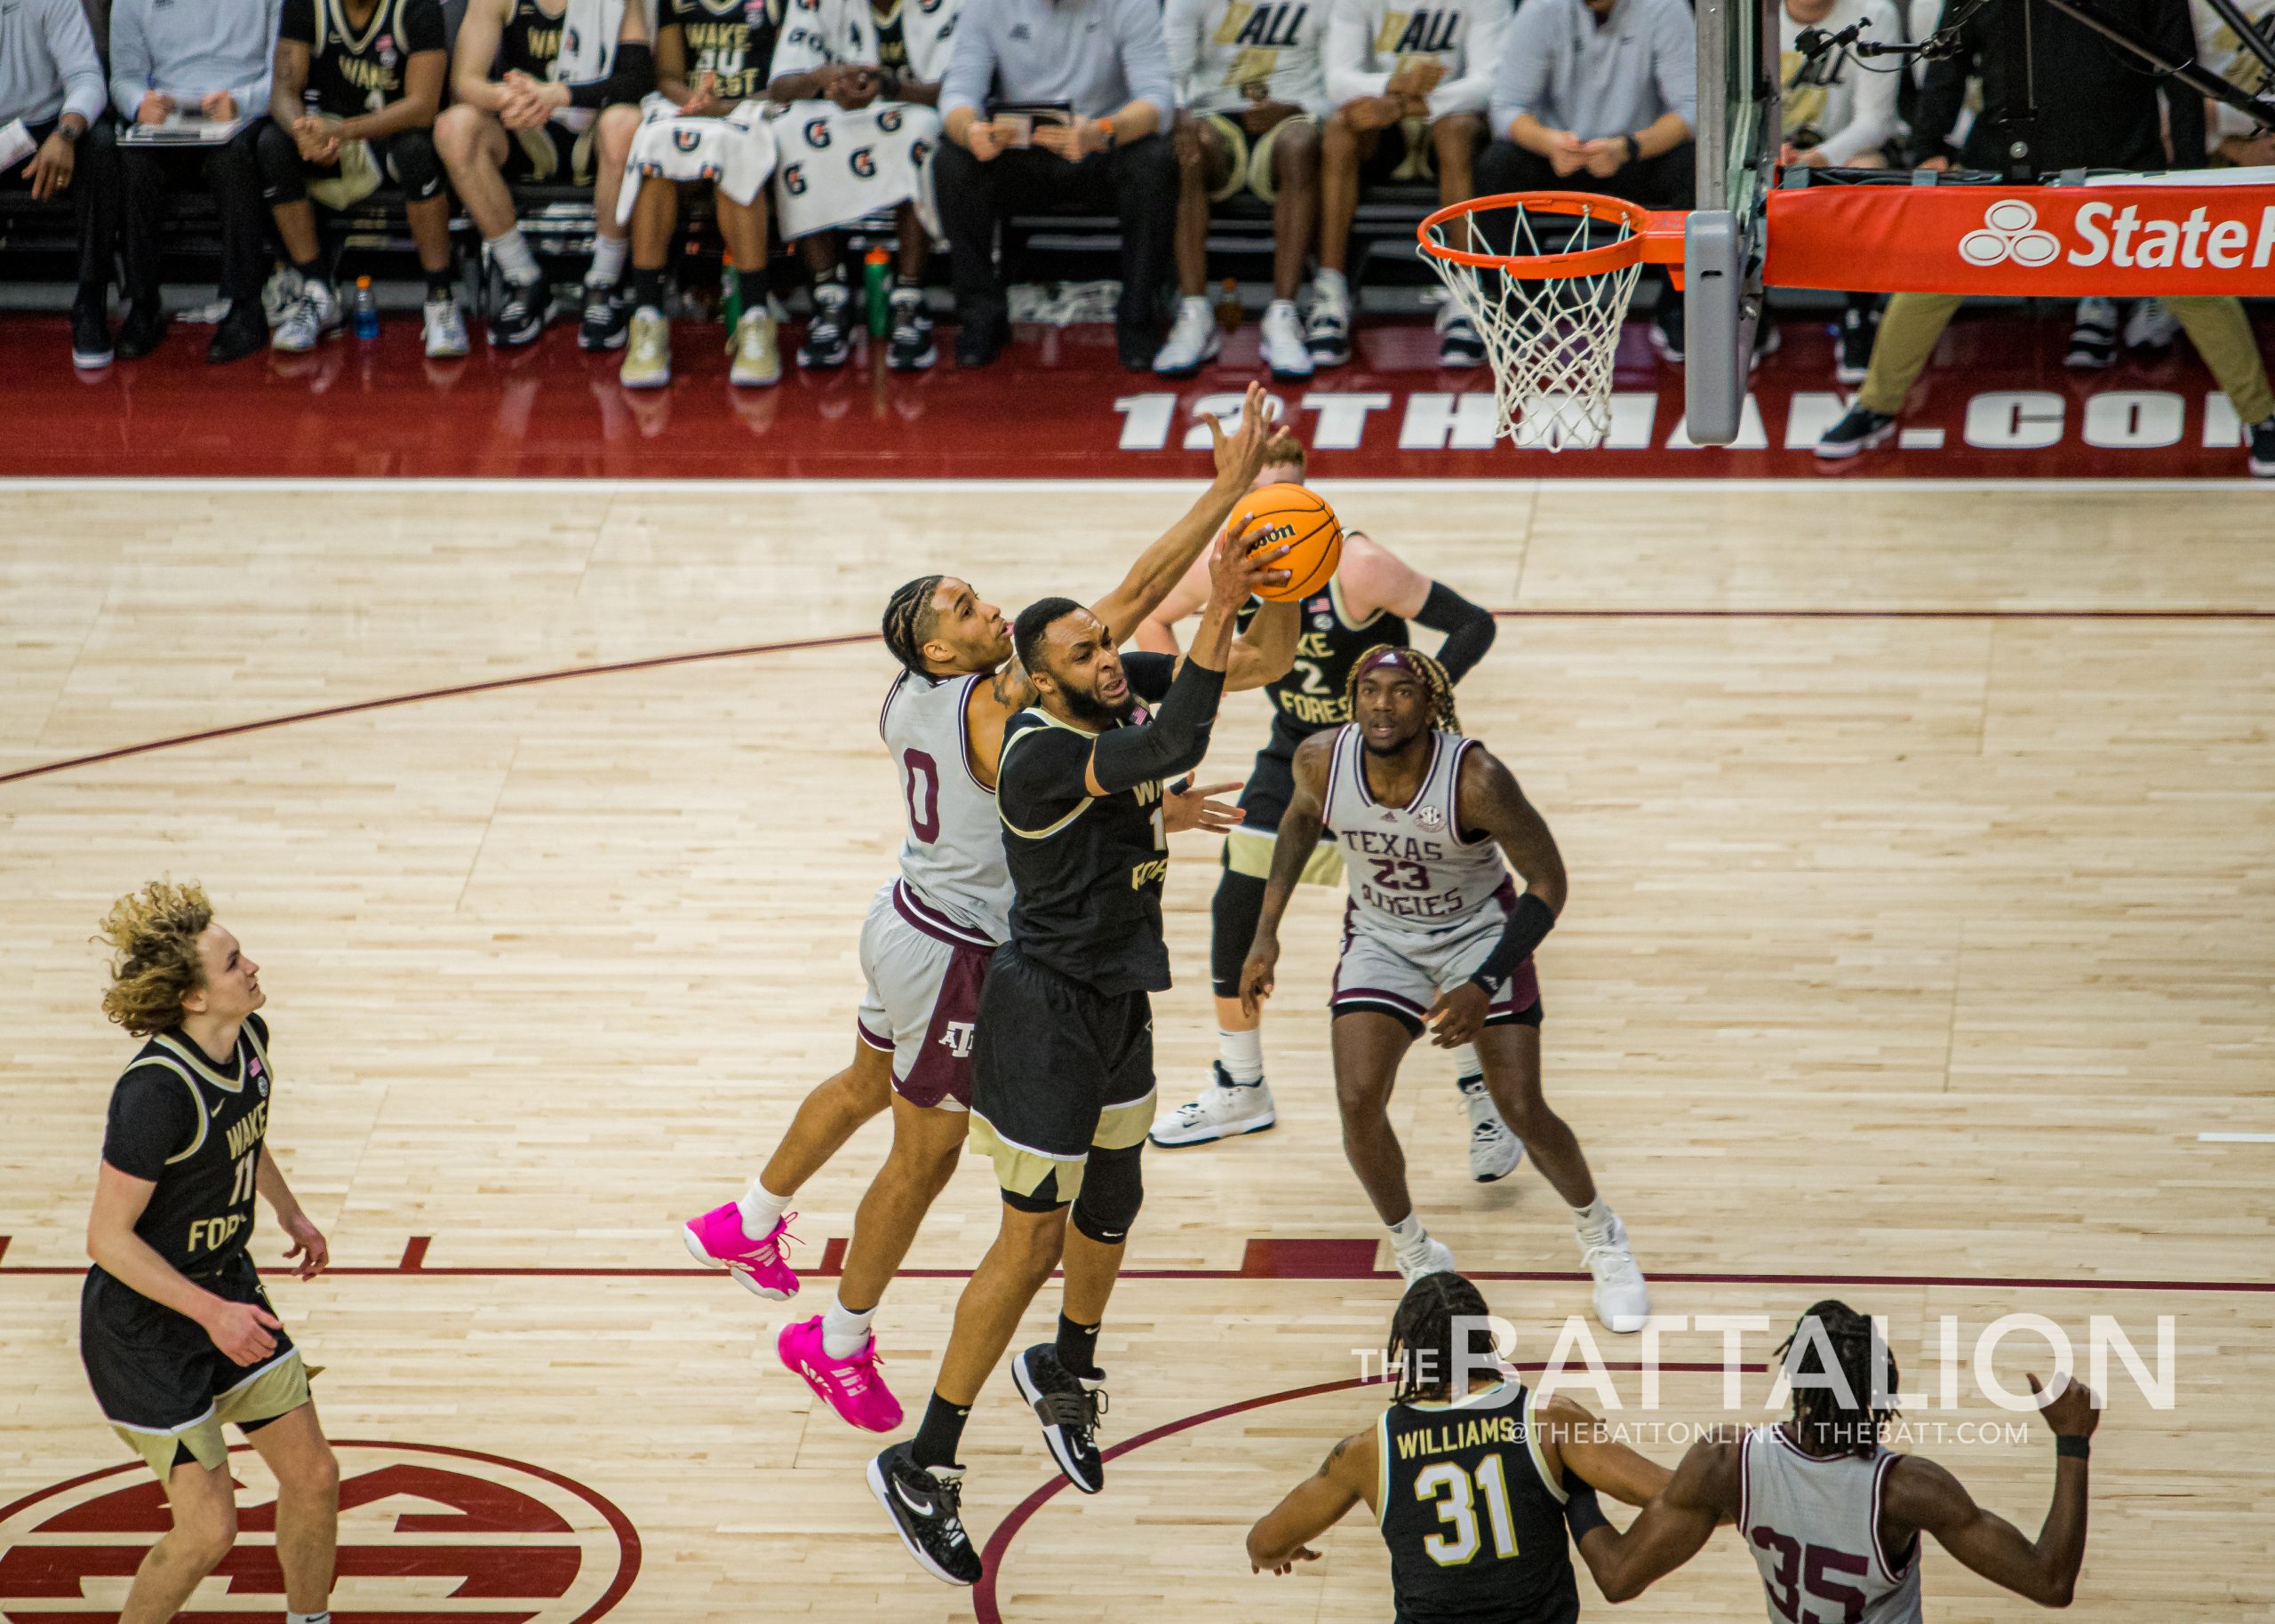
(925, 807)
(1458, 1508)
(1814, 1566)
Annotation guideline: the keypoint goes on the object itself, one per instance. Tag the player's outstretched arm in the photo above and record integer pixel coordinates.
(1581, 1443)
(1282, 1535)
(1267, 651)
(1300, 831)
(1157, 633)
(1921, 1495)
(308, 1244)
(1674, 1528)
(1487, 798)
(1239, 458)
(1374, 578)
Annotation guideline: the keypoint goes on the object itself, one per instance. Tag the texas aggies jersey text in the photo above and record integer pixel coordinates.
(195, 1130)
(733, 39)
(1812, 1524)
(952, 859)
(1413, 872)
(1312, 695)
(354, 69)
(1474, 1525)
(1229, 54)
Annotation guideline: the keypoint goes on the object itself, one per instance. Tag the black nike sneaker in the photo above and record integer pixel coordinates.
(1068, 1407)
(520, 313)
(926, 1505)
(607, 318)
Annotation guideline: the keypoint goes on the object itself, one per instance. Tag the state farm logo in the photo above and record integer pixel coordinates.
(2010, 232)
(424, 1530)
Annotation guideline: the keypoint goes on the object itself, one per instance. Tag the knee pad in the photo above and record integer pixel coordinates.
(1237, 904)
(282, 178)
(418, 167)
(1114, 1187)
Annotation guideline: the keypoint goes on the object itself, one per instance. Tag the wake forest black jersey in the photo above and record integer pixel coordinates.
(355, 68)
(195, 1130)
(531, 40)
(1310, 696)
(731, 38)
(1475, 1531)
(1085, 871)
(892, 39)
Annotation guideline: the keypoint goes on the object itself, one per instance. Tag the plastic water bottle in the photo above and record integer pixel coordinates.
(365, 312)
(1228, 306)
(876, 276)
(730, 293)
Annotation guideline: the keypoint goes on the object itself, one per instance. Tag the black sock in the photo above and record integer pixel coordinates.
(942, 1429)
(440, 284)
(648, 286)
(311, 270)
(1078, 1348)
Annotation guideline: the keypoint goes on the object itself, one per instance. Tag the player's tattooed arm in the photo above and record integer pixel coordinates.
(1672, 1529)
(1487, 798)
(991, 704)
(1300, 831)
(1283, 1536)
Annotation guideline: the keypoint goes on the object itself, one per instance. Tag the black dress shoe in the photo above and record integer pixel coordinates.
(980, 342)
(91, 345)
(1139, 347)
(242, 332)
(139, 333)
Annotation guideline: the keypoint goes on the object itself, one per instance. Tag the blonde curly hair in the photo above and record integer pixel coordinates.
(153, 934)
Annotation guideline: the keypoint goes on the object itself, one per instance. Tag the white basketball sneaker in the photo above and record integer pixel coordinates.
(1287, 354)
(1225, 1109)
(1194, 340)
(1622, 1301)
(1434, 1256)
(1494, 1152)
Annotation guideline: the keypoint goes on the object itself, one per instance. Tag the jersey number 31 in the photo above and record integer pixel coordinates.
(1458, 1508)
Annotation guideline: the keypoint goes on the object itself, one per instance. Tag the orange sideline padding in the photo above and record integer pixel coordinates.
(2122, 241)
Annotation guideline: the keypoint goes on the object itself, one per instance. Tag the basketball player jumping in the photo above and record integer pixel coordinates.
(1435, 936)
(1063, 1065)
(1833, 1517)
(925, 946)
(1468, 1473)
(175, 1328)
(1373, 596)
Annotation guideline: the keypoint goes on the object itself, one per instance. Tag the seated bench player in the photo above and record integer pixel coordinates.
(862, 80)
(356, 87)
(709, 119)
(1410, 90)
(52, 82)
(562, 112)
(1250, 93)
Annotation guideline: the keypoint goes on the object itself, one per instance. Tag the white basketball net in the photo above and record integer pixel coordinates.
(1550, 340)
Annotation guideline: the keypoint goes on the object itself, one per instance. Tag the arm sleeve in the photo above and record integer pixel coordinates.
(1520, 78)
(1172, 743)
(2184, 107)
(972, 63)
(152, 1117)
(1346, 54)
(423, 28)
(1181, 35)
(1469, 628)
(1480, 60)
(1674, 61)
(1150, 674)
(630, 76)
(1528, 925)
(130, 59)
(72, 43)
(1145, 58)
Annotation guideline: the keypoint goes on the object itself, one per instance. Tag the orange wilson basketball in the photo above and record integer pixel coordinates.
(1302, 520)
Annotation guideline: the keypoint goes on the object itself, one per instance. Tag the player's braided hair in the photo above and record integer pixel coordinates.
(153, 934)
(1819, 1415)
(910, 621)
(1441, 685)
(1439, 1327)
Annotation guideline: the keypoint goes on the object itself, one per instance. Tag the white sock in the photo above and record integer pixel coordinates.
(845, 1332)
(1333, 286)
(1469, 1071)
(1195, 301)
(1594, 1218)
(512, 256)
(310, 1618)
(762, 1209)
(1407, 1235)
(608, 261)
(1241, 1055)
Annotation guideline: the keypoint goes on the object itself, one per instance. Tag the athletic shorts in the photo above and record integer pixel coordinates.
(551, 154)
(921, 1005)
(1251, 166)
(1271, 785)
(1060, 1069)
(1402, 977)
(1403, 153)
(162, 1383)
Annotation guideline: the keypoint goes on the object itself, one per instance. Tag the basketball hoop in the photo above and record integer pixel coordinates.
(1549, 309)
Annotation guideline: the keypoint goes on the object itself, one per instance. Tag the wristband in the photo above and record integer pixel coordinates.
(1529, 923)
(1634, 149)
(2072, 1446)
(1582, 1512)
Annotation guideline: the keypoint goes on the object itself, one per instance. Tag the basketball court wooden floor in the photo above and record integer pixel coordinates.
(1920, 950)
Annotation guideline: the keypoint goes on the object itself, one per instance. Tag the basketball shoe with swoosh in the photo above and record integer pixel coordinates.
(1068, 1406)
(926, 1505)
(718, 1240)
(853, 1386)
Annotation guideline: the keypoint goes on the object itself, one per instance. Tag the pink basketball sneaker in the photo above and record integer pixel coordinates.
(853, 1388)
(717, 1239)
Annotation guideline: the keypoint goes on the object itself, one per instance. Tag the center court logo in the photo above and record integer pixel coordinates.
(2010, 232)
(423, 1530)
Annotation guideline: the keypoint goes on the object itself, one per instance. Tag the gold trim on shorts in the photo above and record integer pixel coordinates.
(1021, 1171)
(277, 1388)
(545, 158)
(1251, 165)
(1248, 852)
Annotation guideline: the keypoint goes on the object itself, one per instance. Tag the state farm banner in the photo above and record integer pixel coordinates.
(2124, 236)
